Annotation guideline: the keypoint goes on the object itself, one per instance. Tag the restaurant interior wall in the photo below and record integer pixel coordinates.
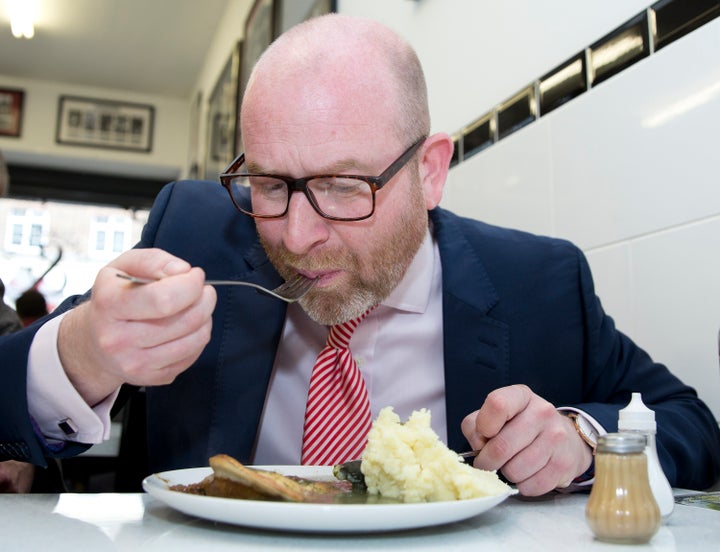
(37, 147)
(628, 170)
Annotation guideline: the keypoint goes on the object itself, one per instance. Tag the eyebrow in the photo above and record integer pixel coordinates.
(341, 167)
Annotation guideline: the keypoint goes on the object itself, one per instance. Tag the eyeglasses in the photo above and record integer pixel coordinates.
(346, 197)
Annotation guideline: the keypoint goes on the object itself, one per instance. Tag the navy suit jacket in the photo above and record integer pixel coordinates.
(517, 308)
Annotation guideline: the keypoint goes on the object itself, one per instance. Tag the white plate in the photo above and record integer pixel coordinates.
(324, 518)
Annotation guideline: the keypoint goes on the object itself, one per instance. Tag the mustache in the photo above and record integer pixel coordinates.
(325, 260)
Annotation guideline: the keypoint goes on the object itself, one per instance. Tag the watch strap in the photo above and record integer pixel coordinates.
(585, 429)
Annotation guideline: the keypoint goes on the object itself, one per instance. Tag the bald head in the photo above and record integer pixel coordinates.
(362, 59)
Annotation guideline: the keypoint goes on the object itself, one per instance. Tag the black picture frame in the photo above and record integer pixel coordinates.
(101, 123)
(222, 116)
(260, 31)
(11, 112)
(321, 7)
(195, 151)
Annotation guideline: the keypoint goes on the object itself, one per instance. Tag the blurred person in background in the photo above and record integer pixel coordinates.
(31, 306)
(9, 319)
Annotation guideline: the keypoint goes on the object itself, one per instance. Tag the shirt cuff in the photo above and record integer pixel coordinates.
(57, 408)
(582, 483)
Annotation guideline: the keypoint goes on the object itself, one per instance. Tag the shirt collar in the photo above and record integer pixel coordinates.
(412, 294)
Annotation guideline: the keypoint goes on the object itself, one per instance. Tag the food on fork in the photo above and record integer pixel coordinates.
(407, 461)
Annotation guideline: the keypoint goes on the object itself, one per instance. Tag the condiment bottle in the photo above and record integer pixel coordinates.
(621, 507)
(638, 418)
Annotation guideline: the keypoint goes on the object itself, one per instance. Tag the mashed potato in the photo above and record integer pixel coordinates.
(407, 461)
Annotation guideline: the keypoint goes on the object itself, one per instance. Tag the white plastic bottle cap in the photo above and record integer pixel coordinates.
(636, 416)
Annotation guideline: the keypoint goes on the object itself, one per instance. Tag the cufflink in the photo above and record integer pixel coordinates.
(67, 427)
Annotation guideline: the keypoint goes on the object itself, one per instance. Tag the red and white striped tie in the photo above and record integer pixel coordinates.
(337, 416)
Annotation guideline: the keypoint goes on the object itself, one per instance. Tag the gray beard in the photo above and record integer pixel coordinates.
(391, 259)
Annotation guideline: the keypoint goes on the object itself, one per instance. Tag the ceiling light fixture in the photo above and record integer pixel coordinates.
(22, 17)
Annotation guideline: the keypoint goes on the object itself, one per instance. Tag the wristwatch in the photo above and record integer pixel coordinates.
(585, 429)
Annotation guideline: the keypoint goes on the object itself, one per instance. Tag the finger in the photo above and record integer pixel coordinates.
(531, 459)
(548, 462)
(150, 263)
(499, 407)
(160, 365)
(503, 448)
(155, 332)
(139, 345)
(475, 440)
(162, 299)
(555, 474)
(521, 443)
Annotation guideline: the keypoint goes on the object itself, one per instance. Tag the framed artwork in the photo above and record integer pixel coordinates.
(105, 124)
(11, 112)
(321, 7)
(222, 116)
(259, 33)
(194, 153)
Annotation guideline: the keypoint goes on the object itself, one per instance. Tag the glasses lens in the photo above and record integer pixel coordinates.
(268, 195)
(341, 197)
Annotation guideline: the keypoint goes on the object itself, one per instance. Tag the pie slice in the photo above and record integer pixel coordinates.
(232, 479)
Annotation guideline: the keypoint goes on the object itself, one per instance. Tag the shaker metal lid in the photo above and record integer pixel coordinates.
(621, 442)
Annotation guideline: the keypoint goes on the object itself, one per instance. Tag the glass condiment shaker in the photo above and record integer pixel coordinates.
(621, 507)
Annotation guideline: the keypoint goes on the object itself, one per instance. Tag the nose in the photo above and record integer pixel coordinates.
(304, 228)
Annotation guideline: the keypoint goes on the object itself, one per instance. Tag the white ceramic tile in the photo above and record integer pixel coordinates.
(612, 276)
(676, 290)
(620, 171)
(477, 54)
(508, 184)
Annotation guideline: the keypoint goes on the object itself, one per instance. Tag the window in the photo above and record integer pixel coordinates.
(110, 235)
(26, 230)
(76, 240)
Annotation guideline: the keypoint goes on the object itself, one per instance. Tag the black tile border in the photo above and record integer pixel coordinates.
(636, 39)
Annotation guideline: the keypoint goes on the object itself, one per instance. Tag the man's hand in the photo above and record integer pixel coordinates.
(16, 477)
(138, 334)
(523, 436)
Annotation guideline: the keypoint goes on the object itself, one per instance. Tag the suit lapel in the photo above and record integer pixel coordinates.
(245, 359)
(475, 345)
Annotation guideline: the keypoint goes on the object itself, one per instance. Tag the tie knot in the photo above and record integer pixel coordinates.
(340, 335)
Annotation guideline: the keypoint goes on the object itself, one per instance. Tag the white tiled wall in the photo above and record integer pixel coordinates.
(627, 174)
(636, 188)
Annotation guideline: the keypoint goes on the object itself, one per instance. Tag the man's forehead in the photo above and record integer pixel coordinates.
(314, 157)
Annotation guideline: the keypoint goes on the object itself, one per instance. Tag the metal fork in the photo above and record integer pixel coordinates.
(350, 470)
(290, 291)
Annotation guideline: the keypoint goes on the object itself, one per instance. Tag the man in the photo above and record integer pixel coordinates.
(9, 319)
(31, 306)
(493, 330)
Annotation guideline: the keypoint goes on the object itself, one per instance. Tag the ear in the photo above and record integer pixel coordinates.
(433, 165)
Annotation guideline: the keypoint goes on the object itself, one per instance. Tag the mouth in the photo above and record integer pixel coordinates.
(324, 277)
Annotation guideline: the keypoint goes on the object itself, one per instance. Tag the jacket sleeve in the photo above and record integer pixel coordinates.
(688, 438)
(19, 439)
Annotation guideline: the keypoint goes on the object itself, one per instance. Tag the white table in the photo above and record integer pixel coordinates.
(100, 522)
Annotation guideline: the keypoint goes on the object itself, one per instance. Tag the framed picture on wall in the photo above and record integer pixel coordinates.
(105, 124)
(11, 112)
(222, 116)
(259, 33)
(260, 28)
(194, 151)
(321, 7)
